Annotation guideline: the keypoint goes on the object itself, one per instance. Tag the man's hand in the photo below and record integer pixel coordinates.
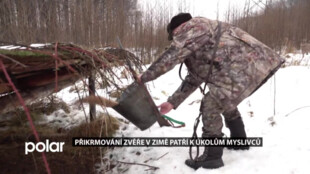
(139, 78)
(165, 108)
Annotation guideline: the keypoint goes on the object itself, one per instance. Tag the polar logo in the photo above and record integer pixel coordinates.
(44, 147)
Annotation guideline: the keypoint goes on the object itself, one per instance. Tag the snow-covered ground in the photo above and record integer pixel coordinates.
(297, 59)
(279, 112)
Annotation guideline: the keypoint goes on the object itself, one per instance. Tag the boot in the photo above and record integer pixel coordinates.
(210, 159)
(236, 128)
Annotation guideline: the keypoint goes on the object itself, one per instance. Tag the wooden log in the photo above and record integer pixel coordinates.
(43, 78)
(10, 102)
(4, 88)
(92, 91)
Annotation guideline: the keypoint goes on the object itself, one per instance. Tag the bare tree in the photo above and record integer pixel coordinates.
(278, 24)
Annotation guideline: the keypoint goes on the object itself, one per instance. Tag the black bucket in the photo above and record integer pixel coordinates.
(137, 106)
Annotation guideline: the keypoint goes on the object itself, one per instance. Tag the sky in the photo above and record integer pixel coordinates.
(205, 8)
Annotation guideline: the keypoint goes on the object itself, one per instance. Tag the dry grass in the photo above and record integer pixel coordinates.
(104, 126)
(71, 160)
(38, 109)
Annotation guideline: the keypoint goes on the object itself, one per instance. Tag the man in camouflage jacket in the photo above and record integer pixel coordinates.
(240, 65)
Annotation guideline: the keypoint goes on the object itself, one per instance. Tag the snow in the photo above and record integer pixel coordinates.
(38, 45)
(13, 47)
(284, 127)
(298, 59)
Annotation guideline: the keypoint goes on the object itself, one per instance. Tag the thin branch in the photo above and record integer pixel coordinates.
(161, 156)
(152, 167)
(297, 110)
(13, 60)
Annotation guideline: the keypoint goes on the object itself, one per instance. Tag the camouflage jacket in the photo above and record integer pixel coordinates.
(240, 66)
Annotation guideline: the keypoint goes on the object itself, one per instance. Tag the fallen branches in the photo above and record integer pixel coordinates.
(37, 69)
(6, 57)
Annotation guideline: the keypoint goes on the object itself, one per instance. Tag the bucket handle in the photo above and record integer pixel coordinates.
(171, 120)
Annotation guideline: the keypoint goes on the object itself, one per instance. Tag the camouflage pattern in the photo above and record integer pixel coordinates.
(211, 116)
(242, 63)
(231, 115)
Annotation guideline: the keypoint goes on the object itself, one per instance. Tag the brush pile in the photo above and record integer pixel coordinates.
(40, 71)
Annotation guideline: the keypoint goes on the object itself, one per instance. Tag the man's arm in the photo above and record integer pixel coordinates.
(184, 44)
(169, 59)
(188, 86)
